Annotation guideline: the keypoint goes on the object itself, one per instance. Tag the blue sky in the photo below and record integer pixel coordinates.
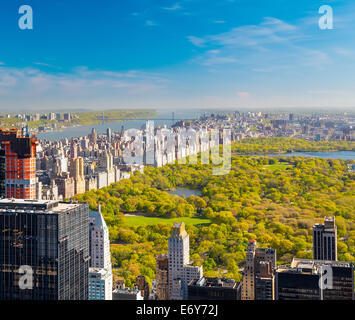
(176, 54)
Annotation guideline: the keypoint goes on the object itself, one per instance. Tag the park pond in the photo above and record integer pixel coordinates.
(184, 192)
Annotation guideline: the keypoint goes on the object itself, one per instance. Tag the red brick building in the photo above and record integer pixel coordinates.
(18, 157)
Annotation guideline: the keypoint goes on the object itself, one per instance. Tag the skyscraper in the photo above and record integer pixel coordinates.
(19, 154)
(100, 285)
(143, 286)
(47, 242)
(93, 136)
(162, 277)
(265, 282)
(254, 258)
(301, 281)
(73, 149)
(109, 134)
(325, 240)
(77, 173)
(180, 270)
(2, 174)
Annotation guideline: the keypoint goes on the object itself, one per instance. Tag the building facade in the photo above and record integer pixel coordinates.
(143, 286)
(180, 271)
(50, 240)
(162, 277)
(265, 282)
(254, 258)
(100, 262)
(19, 155)
(308, 279)
(214, 289)
(100, 284)
(325, 240)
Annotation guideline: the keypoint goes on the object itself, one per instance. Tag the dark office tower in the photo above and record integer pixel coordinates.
(51, 239)
(291, 117)
(301, 281)
(264, 281)
(325, 240)
(214, 289)
(302, 284)
(20, 164)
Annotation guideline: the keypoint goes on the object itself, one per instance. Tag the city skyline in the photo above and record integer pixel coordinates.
(176, 54)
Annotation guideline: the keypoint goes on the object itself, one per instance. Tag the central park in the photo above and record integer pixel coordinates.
(273, 199)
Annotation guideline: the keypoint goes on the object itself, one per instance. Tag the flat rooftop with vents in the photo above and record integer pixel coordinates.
(44, 206)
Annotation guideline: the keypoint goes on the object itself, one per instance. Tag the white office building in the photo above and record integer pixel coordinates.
(180, 270)
(101, 270)
(100, 284)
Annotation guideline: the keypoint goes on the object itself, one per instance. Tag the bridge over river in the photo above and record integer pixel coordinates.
(173, 119)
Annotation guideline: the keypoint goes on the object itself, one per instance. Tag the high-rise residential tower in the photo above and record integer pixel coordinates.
(19, 155)
(109, 134)
(255, 257)
(44, 249)
(325, 240)
(180, 270)
(162, 277)
(77, 173)
(143, 286)
(100, 286)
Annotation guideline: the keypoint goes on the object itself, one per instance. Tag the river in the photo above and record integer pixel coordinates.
(73, 132)
(345, 155)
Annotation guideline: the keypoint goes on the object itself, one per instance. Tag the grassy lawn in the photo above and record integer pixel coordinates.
(139, 221)
(282, 166)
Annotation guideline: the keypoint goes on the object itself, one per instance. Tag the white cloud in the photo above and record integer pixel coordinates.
(82, 84)
(198, 42)
(271, 30)
(176, 6)
(213, 57)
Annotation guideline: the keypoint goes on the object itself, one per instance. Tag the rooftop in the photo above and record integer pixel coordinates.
(214, 282)
(309, 266)
(309, 263)
(179, 230)
(39, 206)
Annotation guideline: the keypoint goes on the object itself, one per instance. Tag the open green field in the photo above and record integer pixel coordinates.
(140, 220)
